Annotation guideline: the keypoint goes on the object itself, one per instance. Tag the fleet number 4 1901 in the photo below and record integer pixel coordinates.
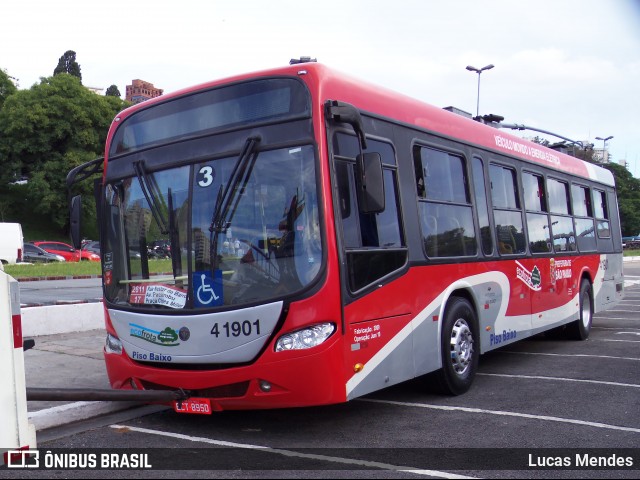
(236, 329)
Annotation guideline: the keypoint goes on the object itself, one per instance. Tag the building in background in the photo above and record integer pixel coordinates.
(601, 155)
(139, 91)
(96, 90)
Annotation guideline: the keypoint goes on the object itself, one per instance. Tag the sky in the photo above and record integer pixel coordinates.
(570, 67)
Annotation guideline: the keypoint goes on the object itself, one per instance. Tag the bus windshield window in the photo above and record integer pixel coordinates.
(269, 244)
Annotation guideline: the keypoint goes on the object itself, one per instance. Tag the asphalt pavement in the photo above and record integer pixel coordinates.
(70, 358)
(65, 361)
(60, 291)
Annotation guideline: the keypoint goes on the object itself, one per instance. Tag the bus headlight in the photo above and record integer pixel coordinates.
(306, 338)
(113, 345)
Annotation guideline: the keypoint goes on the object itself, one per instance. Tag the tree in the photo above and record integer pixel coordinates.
(67, 64)
(49, 129)
(112, 91)
(6, 87)
(541, 141)
(628, 188)
(585, 153)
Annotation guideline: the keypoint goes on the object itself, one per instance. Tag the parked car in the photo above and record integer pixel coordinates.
(160, 249)
(631, 242)
(34, 254)
(92, 246)
(86, 255)
(69, 253)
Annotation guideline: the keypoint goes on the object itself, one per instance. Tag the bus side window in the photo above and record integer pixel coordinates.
(481, 206)
(601, 214)
(564, 238)
(536, 213)
(444, 204)
(506, 210)
(583, 218)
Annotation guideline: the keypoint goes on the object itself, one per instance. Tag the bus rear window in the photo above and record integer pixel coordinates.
(223, 108)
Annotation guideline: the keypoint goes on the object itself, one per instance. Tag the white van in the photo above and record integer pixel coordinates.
(11, 242)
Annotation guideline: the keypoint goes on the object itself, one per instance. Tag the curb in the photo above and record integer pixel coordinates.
(61, 302)
(75, 412)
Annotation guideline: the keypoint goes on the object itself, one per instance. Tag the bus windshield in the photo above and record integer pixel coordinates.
(266, 245)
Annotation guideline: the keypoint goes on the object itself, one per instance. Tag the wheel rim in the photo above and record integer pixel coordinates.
(586, 311)
(461, 347)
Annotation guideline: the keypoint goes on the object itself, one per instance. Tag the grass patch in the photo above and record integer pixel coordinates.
(53, 269)
(71, 269)
(631, 253)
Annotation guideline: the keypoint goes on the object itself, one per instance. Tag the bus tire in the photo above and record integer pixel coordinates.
(579, 330)
(460, 353)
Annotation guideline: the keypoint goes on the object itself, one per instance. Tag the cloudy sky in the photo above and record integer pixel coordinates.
(567, 66)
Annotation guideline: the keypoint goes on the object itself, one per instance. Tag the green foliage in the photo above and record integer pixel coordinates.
(112, 91)
(67, 64)
(46, 131)
(6, 87)
(628, 199)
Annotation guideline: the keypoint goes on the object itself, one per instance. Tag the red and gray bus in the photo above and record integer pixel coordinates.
(330, 238)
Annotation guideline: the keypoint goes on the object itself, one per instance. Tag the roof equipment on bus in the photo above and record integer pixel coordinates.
(495, 121)
(296, 61)
(516, 126)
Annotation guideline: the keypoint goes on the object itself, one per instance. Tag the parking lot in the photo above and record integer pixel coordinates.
(535, 402)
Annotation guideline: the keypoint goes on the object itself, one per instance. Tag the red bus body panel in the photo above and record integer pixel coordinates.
(392, 333)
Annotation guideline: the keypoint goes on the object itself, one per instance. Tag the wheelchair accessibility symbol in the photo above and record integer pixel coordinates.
(205, 289)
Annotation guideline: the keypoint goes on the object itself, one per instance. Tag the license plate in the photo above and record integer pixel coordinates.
(201, 406)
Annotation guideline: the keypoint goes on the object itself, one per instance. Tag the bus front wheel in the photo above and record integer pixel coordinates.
(460, 353)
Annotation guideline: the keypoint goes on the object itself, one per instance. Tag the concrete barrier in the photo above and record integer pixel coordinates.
(16, 433)
(54, 319)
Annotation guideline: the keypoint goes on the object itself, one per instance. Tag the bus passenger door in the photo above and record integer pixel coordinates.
(376, 309)
(544, 297)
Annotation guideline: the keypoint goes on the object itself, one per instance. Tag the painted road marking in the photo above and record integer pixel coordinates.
(560, 379)
(572, 355)
(292, 453)
(503, 413)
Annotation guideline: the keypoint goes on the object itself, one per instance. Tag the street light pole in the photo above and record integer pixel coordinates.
(479, 71)
(604, 144)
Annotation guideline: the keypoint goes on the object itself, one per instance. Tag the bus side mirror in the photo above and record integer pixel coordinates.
(75, 215)
(370, 182)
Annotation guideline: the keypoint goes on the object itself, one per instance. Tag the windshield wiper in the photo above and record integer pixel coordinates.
(223, 209)
(151, 197)
(167, 226)
(174, 239)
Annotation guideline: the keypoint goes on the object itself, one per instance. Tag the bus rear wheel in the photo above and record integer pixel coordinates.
(579, 330)
(460, 354)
